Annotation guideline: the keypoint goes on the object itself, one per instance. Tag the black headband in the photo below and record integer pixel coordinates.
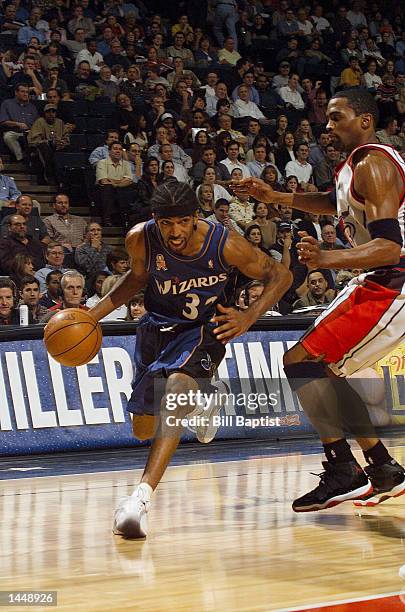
(183, 210)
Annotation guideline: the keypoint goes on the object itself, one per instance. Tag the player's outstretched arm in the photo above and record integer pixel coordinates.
(317, 203)
(133, 281)
(257, 265)
(378, 181)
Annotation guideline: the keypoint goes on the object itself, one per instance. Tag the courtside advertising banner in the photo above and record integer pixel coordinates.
(45, 407)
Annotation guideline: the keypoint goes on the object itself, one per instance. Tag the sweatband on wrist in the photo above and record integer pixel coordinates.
(388, 229)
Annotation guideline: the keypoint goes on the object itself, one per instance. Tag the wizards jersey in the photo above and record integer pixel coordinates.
(351, 205)
(183, 289)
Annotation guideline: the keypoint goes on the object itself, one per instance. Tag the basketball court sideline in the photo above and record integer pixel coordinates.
(222, 533)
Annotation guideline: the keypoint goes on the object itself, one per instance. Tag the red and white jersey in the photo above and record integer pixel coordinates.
(351, 205)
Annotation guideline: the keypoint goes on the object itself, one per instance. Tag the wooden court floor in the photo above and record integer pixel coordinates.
(222, 538)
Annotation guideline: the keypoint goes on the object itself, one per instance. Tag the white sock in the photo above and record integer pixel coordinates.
(146, 490)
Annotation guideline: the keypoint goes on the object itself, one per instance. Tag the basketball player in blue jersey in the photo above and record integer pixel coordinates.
(366, 320)
(183, 262)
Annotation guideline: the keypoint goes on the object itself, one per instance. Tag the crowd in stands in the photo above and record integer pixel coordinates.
(118, 97)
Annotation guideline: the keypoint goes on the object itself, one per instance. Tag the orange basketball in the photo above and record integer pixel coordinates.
(73, 337)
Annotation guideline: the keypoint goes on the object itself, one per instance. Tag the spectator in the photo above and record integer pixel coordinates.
(29, 295)
(114, 178)
(179, 156)
(63, 108)
(90, 55)
(205, 56)
(206, 200)
(28, 76)
(270, 100)
(124, 118)
(324, 171)
(288, 26)
(231, 162)
(92, 254)
(102, 152)
(52, 295)
(136, 307)
(243, 107)
(318, 292)
(389, 134)
(210, 176)
(104, 45)
(24, 206)
(270, 175)
(241, 211)
(310, 224)
(281, 249)
(9, 314)
(225, 15)
(22, 265)
(179, 72)
(179, 50)
(145, 188)
(261, 217)
(300, 168)
(134, 158)
(17, 241)
(253, 234)
(63, 227)
(72, 289)
(221, 216)
(285, 151)
(317, 108)
(118, 261)
(8, 189)
(120, 313)
(291, 95)
(78, 44)
(257, 166)
(132, 86)
(27, 32)
(54, 256)
(371, 79)
(79, 21)
(282, 77)
(46, 135)
(341, 26)
(95, 285)
(107, 87)
(229, 55)
(351, 76)
(83, 84)
(304, 134)
(317, 153)
(52, 81)
(329, 239)
(17, 115)
(166, 154)
(53, 58)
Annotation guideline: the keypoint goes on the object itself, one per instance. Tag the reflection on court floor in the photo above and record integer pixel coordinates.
(222, 537)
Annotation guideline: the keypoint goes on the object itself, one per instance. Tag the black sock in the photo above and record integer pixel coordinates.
(377, 455)
(338, 452)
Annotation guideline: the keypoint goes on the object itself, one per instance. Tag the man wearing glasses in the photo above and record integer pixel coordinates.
(18, 241)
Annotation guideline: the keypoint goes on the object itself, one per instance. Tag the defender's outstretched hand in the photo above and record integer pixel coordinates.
(232, 323)
(256, 188)
(309, 251)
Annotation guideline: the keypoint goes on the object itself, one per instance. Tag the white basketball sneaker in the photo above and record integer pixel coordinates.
(206, 428)
(130, 519)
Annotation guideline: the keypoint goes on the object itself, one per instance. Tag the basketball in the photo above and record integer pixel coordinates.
(72, 337)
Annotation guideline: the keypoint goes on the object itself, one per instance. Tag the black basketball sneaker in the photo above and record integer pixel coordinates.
(388, 480)
(339, 482)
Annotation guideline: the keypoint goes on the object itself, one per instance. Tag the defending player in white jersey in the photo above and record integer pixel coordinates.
(367, 319)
